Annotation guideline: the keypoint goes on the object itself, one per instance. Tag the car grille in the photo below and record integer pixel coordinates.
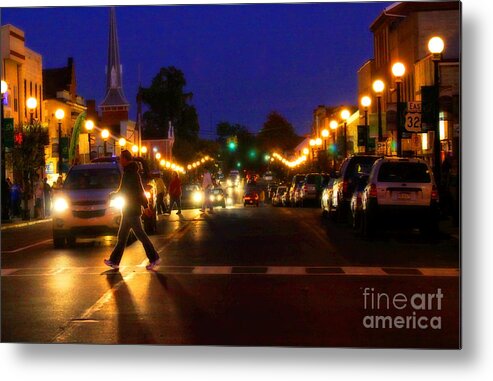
(88, 213)
(89, 202)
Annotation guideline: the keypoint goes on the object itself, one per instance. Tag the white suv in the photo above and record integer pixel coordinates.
(83, 207)
(400, 191)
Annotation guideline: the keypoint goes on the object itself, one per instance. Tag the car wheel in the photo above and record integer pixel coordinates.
(244, 204)
(58, 241)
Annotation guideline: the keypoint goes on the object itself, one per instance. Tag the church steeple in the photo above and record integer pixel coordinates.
(114, 106)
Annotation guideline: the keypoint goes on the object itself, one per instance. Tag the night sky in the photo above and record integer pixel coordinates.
(240, 61)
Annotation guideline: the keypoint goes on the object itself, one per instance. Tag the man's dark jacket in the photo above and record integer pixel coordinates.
(132, 190)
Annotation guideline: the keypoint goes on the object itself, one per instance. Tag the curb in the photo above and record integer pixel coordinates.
(23, 224)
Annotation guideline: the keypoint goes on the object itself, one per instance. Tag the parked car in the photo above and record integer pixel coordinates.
(294, 182)
(285, 197)
(343, 187)
(296, 194)
(356, 200)
(83, 206)
(400, 191)
(217, 197)
(277, 196)
(313, 185)
(326, 198)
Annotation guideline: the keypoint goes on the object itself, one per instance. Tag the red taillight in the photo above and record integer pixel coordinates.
(344, 186)
(373, 190)
(434, 193)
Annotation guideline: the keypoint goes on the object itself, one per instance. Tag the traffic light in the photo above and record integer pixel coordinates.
(232, 143)
(252, 154)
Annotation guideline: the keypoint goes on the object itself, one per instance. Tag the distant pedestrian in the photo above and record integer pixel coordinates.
(16, 197)
(262, 197)
(39, 199)
(132, 190)
(160, 192)
(207, 188)
(47, 196)
(175, 193)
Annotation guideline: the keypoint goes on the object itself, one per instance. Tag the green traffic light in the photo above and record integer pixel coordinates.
(238, 165)
(232, 146)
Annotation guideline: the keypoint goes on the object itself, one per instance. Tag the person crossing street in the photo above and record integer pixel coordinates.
(132, 191)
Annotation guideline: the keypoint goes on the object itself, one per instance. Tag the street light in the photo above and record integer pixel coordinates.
(31, 104)
(366, 102)
(105, 134)
(89, 125)
(135, 149)
(436, 46)
(122, 142)
(325, 135)
(59, 114)
(5, 201)
(378, 87)
(345, 114)
(398, 70)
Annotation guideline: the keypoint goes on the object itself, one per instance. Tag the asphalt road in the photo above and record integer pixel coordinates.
(240, 276)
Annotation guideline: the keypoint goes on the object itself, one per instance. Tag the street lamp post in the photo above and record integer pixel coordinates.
(398, 70)
(345, 116)
(325, 135)
(31, 104)
(436, 46)
(5, 201)
(89, 127)
(366, 102)
(333, 126)
(312, 144)
(378, 87)
(59, 114)
(105, 134)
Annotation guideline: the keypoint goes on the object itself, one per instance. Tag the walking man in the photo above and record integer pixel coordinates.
(132, 191)
(175, 193)
(160, 190)
(206, 187)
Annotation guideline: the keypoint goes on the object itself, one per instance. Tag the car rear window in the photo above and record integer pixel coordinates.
(404, 172)
(312, 179)
(359, 165)
(107, 178)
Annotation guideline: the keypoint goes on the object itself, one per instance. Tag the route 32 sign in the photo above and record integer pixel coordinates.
(413, 117)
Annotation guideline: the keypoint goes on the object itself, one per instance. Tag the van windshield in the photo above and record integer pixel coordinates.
(94, 178)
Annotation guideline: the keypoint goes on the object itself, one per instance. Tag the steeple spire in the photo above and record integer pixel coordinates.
(114, 85)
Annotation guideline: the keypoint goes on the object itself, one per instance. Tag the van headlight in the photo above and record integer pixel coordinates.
(197, 196)
(60, 204)
(117, 202)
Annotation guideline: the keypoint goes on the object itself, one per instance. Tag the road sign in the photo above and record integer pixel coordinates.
(413, 122)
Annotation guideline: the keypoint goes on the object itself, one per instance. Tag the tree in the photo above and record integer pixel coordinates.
(28, 157)
(277, 134)
(168, 102)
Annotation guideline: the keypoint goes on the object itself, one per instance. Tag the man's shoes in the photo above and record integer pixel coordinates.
(107, 262)
(179, 212)
(154, 264)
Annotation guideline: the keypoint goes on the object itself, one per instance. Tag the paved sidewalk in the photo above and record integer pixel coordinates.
(19, 223)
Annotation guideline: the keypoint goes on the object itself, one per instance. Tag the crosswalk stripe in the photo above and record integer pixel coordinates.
(244, 270)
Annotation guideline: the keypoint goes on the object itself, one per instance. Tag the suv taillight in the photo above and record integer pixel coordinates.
(373, 190)
(434, 193)
(344, 186)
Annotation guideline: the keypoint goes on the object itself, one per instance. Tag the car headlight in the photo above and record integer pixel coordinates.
(197, 196)
(60, 205)
(148, 194)
(117, 202)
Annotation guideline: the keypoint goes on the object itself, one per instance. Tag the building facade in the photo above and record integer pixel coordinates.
(60, 93)
(401, 34)
(22, 70)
